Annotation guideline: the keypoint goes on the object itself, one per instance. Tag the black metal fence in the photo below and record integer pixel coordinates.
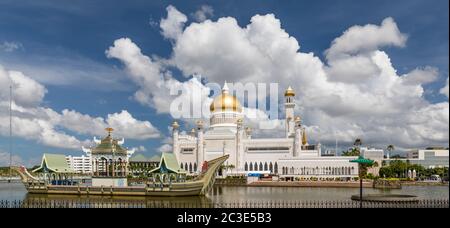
(86, 203)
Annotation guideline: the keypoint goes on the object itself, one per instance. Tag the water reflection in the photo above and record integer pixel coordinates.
(227, 194)
(43, 200)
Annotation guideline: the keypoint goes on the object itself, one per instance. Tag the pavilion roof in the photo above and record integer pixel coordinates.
(168, 163)
(143, 158)
(108, 145)
(56, 163)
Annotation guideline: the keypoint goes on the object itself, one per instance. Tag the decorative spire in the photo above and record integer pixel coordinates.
(225, 88)
(109, 130)
(289, 92)
(175, 125)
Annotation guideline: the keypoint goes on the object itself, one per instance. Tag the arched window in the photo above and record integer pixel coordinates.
(190, 167)
(181, 166)
(271, 167)
(261, 166)
(256, 166)
(186, 166)
(265, 166)
(246, 166)
(195, 167)
(251, 166)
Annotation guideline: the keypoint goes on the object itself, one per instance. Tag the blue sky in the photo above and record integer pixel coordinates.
(55, 39)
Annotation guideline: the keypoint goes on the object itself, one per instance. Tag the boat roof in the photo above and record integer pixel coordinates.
(168, 163)
(56, 163)
(143, 158)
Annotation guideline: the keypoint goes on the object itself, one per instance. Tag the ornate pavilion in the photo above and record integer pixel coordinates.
(109, 161)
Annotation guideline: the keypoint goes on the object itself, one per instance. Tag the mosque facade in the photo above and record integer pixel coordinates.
(287, 156)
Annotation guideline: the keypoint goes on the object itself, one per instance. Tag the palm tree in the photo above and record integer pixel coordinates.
(358, 142)
(389, 148)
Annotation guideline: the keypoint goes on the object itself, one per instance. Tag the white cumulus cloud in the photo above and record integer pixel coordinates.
(203, 13)
(355, 93)
(32, 121)
(172, 26)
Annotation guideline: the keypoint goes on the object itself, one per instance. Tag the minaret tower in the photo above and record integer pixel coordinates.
(175, 134)
(289, 106)
(200, 149)
(297, 137)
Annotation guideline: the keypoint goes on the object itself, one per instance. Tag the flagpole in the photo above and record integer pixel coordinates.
(10, 132)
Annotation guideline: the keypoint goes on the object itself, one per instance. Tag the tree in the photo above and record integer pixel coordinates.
(358, 142)
(351, 152)
(397, 168)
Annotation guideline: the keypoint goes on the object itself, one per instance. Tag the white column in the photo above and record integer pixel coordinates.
(297, 139)
(200, 150)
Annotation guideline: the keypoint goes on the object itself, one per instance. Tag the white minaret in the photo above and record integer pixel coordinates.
(297, 139)
(289, 106)
(239, 146)
(175, 134)
(200, 150)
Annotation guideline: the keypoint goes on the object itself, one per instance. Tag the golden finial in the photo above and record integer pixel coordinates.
(175, 125)
(109, 130)
(297, 119)
(289, 92)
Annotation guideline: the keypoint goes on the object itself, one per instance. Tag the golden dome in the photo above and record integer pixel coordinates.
(289, 92)
(225, 102)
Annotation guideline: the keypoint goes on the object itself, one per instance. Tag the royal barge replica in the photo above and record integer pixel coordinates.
(157, 186)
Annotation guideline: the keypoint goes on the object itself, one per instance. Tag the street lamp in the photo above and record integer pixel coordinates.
(361, 160)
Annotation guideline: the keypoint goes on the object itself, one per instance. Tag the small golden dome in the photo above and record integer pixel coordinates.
(297, 119)
(289, 92)
(175, 124)
(225, 102)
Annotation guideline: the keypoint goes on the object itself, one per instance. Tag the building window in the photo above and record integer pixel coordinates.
(246, 166)
(265, 167)
(251, 166)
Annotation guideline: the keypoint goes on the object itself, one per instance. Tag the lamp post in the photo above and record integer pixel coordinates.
(361, 160)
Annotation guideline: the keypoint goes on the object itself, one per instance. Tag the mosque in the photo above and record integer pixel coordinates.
(290, 156)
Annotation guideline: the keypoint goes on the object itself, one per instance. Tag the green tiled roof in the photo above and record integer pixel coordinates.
(106, 147)
(155, 158)
(143, 158)
(168, 162)
(54, 163)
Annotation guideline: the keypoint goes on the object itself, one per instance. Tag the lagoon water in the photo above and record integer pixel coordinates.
(232, 194)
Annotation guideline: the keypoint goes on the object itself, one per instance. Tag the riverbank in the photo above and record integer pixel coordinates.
(421, 183)
(331, 184)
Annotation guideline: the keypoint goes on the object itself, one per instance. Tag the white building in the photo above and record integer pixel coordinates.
(289, 156)
(81, 164)
(429, 157)
(377, 155)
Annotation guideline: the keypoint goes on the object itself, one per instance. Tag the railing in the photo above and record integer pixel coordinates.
(90, 203)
